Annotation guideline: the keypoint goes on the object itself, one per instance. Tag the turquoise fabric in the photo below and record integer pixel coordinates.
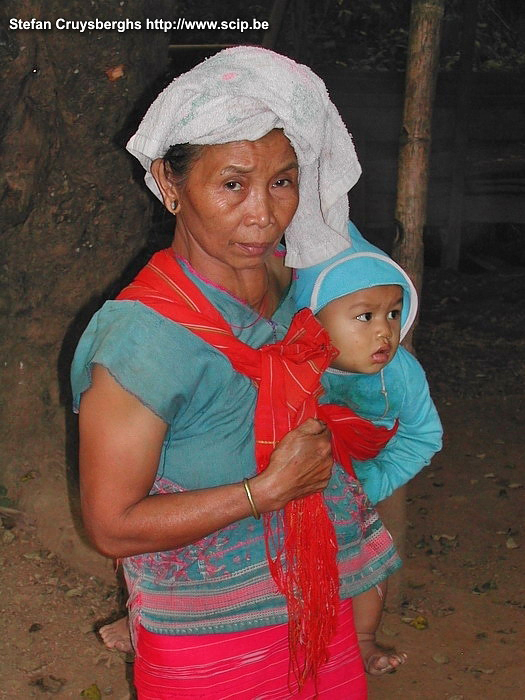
(221, 583)
(402, 393)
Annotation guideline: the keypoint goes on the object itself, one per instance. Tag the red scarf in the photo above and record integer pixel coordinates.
(301, 544)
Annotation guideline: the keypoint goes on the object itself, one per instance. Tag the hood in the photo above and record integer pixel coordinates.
(349, 272)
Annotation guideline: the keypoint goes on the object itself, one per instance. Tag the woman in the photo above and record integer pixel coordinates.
(169, 481)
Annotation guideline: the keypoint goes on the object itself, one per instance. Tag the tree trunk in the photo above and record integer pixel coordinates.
(411, 205)
(414, 151)
(73, 219)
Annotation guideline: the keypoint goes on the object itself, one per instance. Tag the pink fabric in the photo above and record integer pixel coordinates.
(248, 665)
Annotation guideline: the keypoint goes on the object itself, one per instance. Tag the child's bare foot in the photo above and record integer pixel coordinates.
(376, 659)
(116, 635)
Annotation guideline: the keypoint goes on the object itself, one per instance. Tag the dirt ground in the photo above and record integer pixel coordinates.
(462, 617)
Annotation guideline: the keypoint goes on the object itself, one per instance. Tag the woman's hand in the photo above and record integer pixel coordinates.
(300, 465)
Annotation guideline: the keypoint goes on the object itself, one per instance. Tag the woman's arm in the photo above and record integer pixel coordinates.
(120, 445)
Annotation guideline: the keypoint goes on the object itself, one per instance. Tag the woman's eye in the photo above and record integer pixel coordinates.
(283, 182)
(233, 186)
(394, 315)
(365, 317)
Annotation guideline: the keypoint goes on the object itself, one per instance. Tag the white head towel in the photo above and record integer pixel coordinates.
(242, 93)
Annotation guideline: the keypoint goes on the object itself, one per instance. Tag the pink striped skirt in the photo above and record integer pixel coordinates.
(248, 665)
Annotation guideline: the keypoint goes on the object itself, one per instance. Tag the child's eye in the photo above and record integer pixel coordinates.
(367, 316)
(394, 314)
(233, 186)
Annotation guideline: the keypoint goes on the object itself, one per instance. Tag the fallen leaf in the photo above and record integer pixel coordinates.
(485, 587)
(92, 693)
(8, 537)
(443, 612)
(28, 476)
(511, 543)
(49, 684)
(36, 555)
(419, 623)
(115, 73)
(441, 658)
(73, 593)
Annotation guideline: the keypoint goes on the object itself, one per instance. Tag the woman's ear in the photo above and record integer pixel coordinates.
(166, 185)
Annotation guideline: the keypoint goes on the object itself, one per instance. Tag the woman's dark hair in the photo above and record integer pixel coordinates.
(179, 158)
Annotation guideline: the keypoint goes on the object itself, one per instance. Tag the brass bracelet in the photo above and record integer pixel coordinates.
(255, 512)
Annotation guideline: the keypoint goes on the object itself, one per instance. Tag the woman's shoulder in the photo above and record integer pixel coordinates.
(132, 321)
(145, 352)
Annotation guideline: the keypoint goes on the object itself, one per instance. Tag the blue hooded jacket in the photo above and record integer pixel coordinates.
(399, 391)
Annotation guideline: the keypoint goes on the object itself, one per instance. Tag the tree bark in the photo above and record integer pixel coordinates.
(411, 204)
(73, 218)
(415, 141)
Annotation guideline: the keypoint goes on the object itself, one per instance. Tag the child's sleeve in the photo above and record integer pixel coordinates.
(418, 438)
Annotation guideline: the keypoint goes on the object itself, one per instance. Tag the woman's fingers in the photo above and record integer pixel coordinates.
(300, 465)
(311, 426)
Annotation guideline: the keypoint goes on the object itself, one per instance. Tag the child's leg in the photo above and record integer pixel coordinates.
(115, 635)
(368, 609)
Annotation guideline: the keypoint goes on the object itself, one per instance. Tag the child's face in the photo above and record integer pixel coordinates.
(364, 327)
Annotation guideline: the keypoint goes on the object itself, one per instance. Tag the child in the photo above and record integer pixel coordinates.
(367, 303)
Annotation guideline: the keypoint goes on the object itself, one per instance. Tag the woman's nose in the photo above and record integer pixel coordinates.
(260, 211)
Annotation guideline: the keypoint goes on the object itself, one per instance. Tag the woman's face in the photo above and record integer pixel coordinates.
(236, 202)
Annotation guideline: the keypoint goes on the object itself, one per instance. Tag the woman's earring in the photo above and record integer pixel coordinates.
(175, 205)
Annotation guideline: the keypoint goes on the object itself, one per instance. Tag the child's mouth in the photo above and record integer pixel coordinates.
(381, 355)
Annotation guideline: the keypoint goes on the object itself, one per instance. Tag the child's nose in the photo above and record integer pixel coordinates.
(384, 330)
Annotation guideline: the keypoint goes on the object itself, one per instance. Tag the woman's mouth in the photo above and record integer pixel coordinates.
(255, 249)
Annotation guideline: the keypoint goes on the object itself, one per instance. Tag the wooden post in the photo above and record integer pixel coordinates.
(411, 205)
(414, 151)
(452, 239)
